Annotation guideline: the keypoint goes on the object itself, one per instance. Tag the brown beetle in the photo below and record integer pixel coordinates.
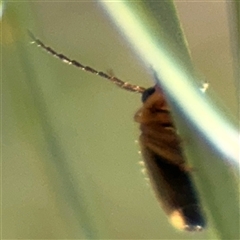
(161, 150)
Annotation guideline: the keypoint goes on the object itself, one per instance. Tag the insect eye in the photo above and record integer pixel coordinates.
(147, 93)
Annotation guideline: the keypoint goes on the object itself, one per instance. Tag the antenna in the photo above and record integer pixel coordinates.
(124, 85)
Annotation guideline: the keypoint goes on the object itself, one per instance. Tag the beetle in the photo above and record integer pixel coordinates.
(161, 148)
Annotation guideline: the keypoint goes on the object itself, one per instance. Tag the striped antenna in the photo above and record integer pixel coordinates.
(124, 85)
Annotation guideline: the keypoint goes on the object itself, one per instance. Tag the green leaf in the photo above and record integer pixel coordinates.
(36, 127)
(153, 30)
(69, 159)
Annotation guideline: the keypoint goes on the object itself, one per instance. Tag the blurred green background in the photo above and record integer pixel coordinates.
(70, 162)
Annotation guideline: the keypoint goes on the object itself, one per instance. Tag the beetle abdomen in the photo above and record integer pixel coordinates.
(174, 190)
